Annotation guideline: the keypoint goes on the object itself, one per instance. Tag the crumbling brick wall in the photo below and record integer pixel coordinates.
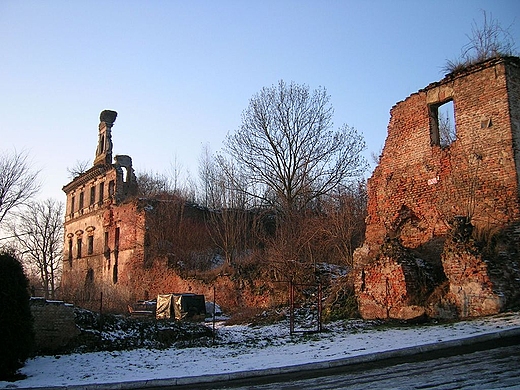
(475, 176)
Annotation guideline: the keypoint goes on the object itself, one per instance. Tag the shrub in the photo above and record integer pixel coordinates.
(16, 324)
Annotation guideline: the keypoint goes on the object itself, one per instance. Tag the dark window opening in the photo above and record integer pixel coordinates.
(111, 188)
(106, 249)
(101, 144)
(78, 248)
(101, 192)
(116, 256)
(70, 253)
(116, 243)
(81, 200)
(114, 272)
(89, 278)
(442, 124)
(92, 195)
(90, 247)
(72, 201)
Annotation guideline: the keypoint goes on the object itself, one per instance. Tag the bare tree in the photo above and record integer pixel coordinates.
(153, 185)
(343, 224)
(447, 132)
(487, 40)
(290, 156)
(18, 181)
(79, 168)
(207, 177)
(229, 218)
(39, 236)
(287, 149)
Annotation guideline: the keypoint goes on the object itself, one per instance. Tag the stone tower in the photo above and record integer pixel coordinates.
(104, 148)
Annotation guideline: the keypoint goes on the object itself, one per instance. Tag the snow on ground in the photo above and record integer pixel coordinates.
(242, 348)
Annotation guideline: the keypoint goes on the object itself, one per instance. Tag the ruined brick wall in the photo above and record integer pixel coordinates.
(513, 88)
(475, 176)
(477, 169)
(54, 325)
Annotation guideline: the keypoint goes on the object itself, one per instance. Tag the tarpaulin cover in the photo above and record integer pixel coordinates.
(180, 306)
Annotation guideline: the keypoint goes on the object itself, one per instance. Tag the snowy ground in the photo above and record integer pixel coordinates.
(242, 348)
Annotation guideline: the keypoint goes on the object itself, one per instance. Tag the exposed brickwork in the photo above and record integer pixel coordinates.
(475, 176)
(54, 325)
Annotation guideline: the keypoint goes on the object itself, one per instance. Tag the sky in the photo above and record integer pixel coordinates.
(180, 73)
(242, 348)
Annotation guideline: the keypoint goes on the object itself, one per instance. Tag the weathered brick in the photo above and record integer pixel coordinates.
(476, 176)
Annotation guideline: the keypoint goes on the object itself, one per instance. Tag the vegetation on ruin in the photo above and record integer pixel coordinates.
(488, 39)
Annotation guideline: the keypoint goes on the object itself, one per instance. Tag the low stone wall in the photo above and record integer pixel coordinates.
(54, 325)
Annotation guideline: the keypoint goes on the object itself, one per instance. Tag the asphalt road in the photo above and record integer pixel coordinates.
(490, 361)
(497, 368)
(491, 365)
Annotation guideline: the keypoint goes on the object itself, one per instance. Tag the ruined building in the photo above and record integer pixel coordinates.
(100, 224)
(120, 247)
(443, 225)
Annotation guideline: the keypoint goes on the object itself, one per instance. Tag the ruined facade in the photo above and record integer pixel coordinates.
(443, 221)
(120, 248)
(100, 222)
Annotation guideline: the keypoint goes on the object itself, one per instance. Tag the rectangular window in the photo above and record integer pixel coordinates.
(72, 201)
(101, 191)
(90, 248)
(106, 249)
(92, 195)
(81, 200)
(442, 124)
(116, 255)
(111, 187)
(116, 243)
(70, 252)
(78, 249)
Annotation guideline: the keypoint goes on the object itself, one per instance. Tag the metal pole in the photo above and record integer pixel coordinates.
(319, 307)
(291, 317)
(214, 293)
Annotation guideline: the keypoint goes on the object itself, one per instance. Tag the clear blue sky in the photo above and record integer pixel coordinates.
(180, 73)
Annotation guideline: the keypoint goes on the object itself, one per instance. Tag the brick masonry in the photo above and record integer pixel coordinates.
(421, 185)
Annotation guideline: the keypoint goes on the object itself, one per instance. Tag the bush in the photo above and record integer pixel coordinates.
(16, 323)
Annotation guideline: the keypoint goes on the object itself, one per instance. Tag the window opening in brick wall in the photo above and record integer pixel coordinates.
(116, 257)
(101, 191)
(111, 187)
(81, 196)
(442, 124)
(106, 249)
(72, 201)
(102, 144)
(89, 278)
(92, 195)
(70, 253)
(116, 239)
(78, 248)
(125, 174)
(90, 246)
